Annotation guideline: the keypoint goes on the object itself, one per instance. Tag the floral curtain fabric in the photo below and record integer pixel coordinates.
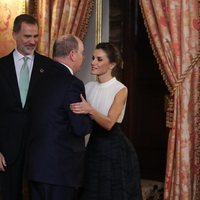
(57, 17)
(8, 11)
(173, 28)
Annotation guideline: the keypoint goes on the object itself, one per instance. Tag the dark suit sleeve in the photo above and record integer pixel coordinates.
(81, 123)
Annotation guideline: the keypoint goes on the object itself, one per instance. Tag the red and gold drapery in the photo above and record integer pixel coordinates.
(173, 28)
(58, 17)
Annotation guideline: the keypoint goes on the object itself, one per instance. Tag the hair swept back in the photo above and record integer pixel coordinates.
(64, 45)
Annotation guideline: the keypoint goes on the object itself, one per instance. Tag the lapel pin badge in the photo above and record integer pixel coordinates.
(41, 70)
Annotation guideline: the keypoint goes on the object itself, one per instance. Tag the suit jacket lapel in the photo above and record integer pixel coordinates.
(10, 73)
(37, 71)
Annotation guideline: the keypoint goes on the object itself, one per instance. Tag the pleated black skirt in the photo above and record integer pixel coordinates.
(112, 169)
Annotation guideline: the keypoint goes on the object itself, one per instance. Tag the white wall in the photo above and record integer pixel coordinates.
(105, 21)
(89, 41)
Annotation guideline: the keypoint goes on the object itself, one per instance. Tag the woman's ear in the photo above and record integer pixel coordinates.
(112, 65)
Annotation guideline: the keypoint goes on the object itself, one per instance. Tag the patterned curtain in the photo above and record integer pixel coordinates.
(8, 11)
(58, 17)
(173, 28)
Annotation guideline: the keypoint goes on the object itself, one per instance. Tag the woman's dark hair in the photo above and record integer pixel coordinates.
(113, 54)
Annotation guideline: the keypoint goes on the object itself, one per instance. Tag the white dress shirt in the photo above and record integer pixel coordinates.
(18, 59)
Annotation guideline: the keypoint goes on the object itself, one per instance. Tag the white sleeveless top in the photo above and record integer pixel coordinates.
(101, 95)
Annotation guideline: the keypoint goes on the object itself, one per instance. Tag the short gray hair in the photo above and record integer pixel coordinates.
(64, 45)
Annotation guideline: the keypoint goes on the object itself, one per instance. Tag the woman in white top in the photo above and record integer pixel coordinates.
(112, 171)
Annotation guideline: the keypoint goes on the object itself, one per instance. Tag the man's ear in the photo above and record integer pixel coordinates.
(14, 35)
(72, 55)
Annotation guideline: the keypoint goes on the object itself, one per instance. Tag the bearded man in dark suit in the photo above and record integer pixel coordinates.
(14, 103)
(57, 147)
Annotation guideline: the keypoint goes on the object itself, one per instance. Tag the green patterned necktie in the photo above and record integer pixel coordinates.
(24, 81)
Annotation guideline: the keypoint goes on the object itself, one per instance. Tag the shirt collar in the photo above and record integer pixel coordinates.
(71, 71)
(19, 56)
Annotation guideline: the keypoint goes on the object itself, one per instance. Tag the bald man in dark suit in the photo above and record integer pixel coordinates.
(57, 147)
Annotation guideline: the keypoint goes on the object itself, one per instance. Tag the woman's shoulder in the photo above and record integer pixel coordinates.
(119, 84)
(90, 84)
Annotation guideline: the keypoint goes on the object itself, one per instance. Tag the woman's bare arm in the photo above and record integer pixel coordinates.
(108, 121)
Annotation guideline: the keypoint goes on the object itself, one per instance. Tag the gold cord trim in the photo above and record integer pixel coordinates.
(155, 53)
(84, 25)
(179, 81)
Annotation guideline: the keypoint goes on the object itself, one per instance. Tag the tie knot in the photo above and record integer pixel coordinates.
(25, 59)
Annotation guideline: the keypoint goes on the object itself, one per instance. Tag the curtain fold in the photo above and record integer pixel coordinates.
(58, 17)
(173, 29)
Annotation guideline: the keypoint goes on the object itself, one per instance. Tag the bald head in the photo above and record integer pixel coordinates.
(68, 49)
(64, 45)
